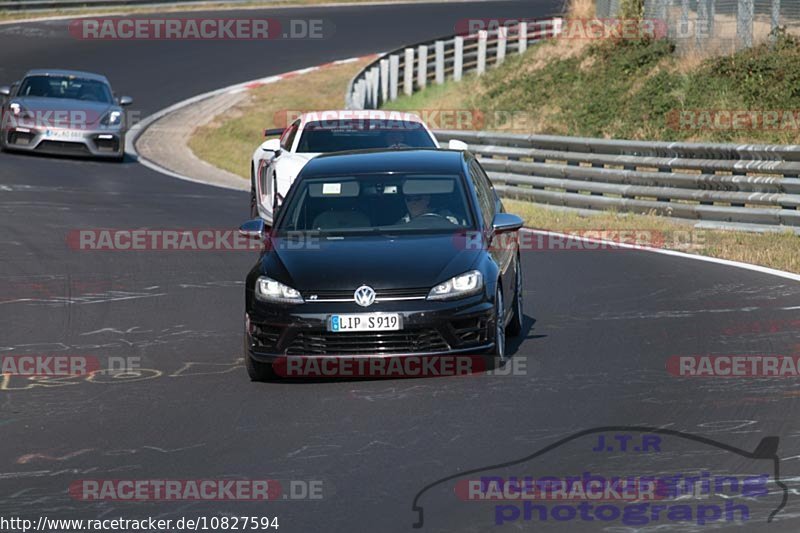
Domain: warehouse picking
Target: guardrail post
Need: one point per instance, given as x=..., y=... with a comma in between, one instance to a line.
x=408, y=72
x=394, y=71
x=439, y=62
x=375, y=88
x=458, y=58
x=522, y=30
x=502, y=40
x=558, y=26
x=702, y=26
x=775, y=19
x=360, y=94
x=482, y=37
x=384, y=80
x=683, y=29
x=422, y=66
x=744, y=24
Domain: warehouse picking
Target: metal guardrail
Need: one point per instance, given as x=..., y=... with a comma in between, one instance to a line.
x=747, y=186
x=719, y=184
x=408, y=69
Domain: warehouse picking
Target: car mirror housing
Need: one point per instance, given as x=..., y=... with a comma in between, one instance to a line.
x=506, y=222
x=272, y=145
x=455, y=144
x=253, y=229
x=125, y=100
x=5, y=90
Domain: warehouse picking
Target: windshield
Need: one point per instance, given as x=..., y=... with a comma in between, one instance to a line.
x=378, y=203
x=68, y=87
x=362, y=134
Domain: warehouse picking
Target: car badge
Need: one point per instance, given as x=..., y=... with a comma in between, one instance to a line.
x=364, y=296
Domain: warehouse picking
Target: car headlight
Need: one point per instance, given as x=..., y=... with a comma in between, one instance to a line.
x=269, y=290
x=112, y=119
x=461, y=286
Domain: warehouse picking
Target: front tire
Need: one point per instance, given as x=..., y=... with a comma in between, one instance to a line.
x=499, y=328
x=514, y=327
x=253, y=201
x=257, y=370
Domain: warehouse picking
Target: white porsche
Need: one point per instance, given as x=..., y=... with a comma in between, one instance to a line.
x=277, y=161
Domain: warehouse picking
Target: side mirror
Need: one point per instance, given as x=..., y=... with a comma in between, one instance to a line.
x=253, y=229
x=506, y=222
x=5, y=90
x=125, y=100
x=455, y=144
x=272, y=145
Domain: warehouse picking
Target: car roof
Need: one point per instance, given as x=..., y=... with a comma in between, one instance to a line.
x=61, y=72
x=384, y=161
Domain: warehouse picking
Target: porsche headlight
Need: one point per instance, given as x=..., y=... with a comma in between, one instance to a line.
x=112, y=119
x=269, y=290
x=461, y=286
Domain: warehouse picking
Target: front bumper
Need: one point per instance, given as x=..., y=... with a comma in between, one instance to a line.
x=429, y=328
x=101, y=142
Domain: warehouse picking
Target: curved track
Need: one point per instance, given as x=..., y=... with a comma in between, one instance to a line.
x=599, y=328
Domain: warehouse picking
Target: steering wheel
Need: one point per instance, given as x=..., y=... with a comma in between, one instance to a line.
x=431, y=214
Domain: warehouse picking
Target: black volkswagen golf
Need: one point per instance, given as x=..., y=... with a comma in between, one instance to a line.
x=384, y=253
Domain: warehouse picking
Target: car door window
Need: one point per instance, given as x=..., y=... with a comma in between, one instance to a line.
x=483, y=189
x=287, y=139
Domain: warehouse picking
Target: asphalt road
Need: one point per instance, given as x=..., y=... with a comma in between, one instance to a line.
x=599, y=329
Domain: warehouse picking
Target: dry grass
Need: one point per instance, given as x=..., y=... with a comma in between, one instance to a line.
x=229, y=143
x=580, y=9
x=773, y=250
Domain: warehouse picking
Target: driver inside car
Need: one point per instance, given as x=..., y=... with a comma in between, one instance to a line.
x=419, y=205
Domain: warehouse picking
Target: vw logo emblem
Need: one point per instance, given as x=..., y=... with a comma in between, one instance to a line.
x=364, y=296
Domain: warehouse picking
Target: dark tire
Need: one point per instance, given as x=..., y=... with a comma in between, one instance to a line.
x=253, y=202
x=256, y=370
x=499, y=351
x=514, y=327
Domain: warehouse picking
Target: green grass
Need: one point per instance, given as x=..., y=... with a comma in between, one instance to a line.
x=773, y=250
x=628, y=89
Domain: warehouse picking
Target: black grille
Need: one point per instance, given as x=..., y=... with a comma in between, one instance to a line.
x=385, y=342
x=265, y=336
x=107, y=145
x=63, y=147
x=471, y=330
x=20, y=138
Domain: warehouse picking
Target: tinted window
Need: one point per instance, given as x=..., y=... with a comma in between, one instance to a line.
x=362, y=134
x=66, y=87
x=483, y=189
x=287, y=139
x=397, y=203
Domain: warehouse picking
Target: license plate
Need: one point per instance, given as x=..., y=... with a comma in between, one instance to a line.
x=365, y=322
x=63, y=134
